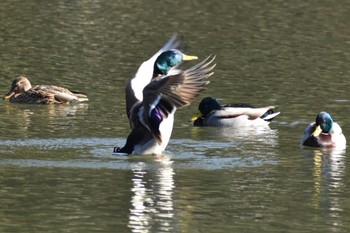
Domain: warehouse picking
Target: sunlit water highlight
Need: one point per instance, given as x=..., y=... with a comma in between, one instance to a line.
x=57, y=168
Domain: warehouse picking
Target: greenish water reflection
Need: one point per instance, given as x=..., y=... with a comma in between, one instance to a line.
x=57, y=171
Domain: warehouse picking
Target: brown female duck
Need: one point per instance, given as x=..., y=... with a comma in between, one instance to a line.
x=22, y=92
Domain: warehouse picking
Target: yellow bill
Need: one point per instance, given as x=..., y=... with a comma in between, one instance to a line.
x=196, y=116
x=188, y=57
x=317, y=131
x=8, y=95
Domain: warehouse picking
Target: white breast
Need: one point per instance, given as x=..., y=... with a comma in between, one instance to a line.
x=152, y=147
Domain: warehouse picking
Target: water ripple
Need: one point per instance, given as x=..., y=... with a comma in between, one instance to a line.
x=96, y=153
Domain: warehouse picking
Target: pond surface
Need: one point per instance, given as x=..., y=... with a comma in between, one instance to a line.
x=57, y=172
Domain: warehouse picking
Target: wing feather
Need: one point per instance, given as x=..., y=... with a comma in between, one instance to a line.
x=164, y=94
x=252, y=113
x=144, y=75
x=180, y=89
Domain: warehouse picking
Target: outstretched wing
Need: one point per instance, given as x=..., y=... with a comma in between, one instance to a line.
x=164, y=94
x=144, y=74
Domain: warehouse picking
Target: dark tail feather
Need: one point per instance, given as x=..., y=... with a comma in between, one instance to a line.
x=270, y=115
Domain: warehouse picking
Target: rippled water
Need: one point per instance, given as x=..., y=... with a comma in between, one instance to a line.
x=57, y=172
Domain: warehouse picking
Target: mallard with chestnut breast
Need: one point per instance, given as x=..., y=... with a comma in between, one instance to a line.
x=324, y=132
x=152, y=118
x=22, y=92
x=212, y=113
x=161, y=63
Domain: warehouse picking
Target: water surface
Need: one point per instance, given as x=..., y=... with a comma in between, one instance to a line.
x=57, y=171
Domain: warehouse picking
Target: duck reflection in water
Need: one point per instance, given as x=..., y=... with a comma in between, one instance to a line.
x=48, y=115
x=152, y=201
x=328, y=170
x=255, y=135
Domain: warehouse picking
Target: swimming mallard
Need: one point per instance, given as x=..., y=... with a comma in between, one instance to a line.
x=22, y=92
x=212, y=113
x=159, y=64
x=324, y=132
x=152, y=118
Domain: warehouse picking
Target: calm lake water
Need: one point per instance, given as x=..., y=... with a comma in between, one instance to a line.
x=57, y=172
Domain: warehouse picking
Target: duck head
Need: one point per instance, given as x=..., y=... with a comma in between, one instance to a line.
x=206, y=106
x=324, y=124
x=169, y=59
x=19, y=85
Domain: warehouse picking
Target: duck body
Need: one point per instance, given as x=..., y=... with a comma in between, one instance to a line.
x=142, y=141
x=152, y=118
x=324, y=132
x=212, y=113
x=22, y=92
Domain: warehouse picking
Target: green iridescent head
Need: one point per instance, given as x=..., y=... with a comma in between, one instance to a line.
x=169, y=59
x=324, y=123
x=207, y=105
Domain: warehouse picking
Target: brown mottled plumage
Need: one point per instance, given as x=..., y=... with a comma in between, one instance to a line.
x=22, y=92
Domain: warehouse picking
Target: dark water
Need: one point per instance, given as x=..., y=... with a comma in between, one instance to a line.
x=57, y=173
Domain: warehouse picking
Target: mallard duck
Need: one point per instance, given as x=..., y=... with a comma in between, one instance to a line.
x=22, y=92
x=159, y=64
x=212, y=113
x=152, y=118
x=324, y=132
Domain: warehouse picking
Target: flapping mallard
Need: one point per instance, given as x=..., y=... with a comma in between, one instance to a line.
x=324, y=132
x=212, y=113
x=152, y=118
x=159, y=64
x=22, y=92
